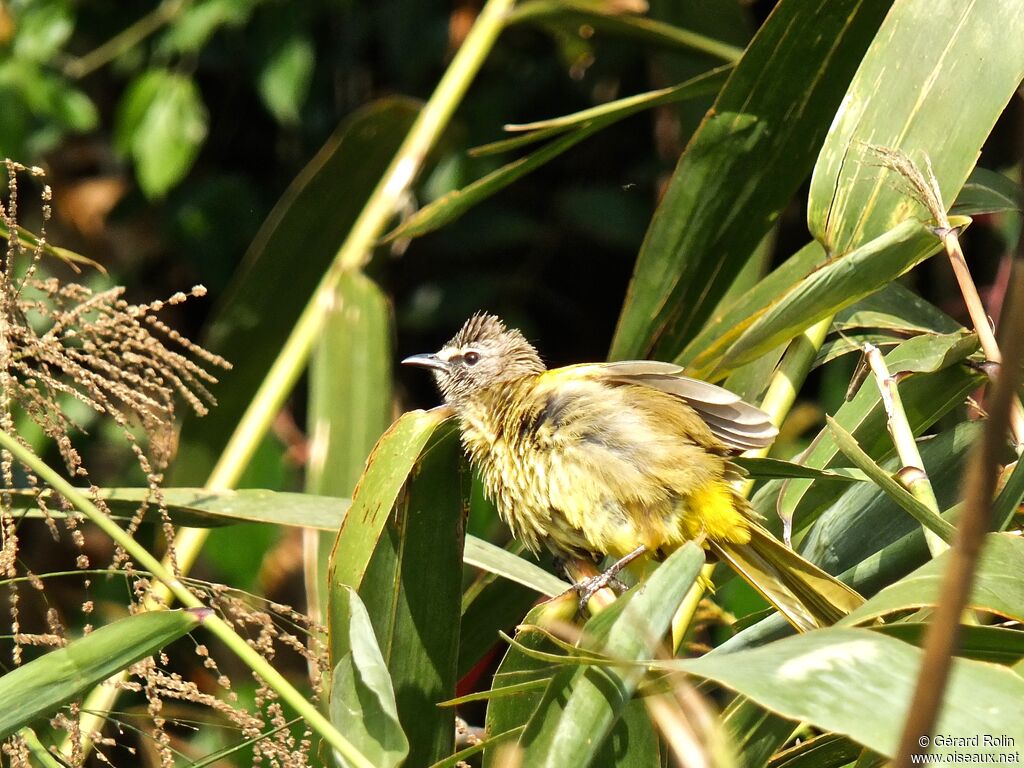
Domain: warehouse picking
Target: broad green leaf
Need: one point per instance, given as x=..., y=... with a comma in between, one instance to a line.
x=582, y=703
x=986, y=191
x=835, y=286
x=703, y=354
x=823, y=751
x=859, y=683
x=896, y=308
x=397, y=455
x=925, y=516
x=741, y=168
x=997, y=585
x=451, y=206
x=944, y=56
x=38, y=688
x=497, y=607
x=362, y=703
x=350, y=400
x=162, y=124
x=401, y=547
x=284, y=80
x=193, y=26
x=274, y=284
x=997, y=645
x=756, y=732
x=489, y=557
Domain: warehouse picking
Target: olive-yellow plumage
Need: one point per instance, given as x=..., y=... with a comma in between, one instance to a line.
x=608, y=458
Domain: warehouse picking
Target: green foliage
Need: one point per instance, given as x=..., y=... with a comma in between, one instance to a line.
x=430, y=611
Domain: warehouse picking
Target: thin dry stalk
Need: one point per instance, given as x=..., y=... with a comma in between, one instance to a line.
x=912, y=474
x=943, y=632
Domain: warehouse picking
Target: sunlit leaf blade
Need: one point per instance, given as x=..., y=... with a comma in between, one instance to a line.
x=640, y=28
x=835, y=286
x=199, y=508
x=1007, y=506
x=38, y=688
x=944, y=55
x=755, y=731
x=741, y=168
x=760, y=468
x=997, y=645
x=986, y=191
x=350, y=403
x=997, y=585
x=859, y=683
x=30, y=242
x=362, y=700
x=454, y=204
x=823, y=751
x=927, y=517
x=401, y=548
x=582, y=703
x=283, y=266
x=388, y=468
x=705, y=351
x=487, y=556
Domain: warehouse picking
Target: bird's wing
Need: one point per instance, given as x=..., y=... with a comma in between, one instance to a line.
x=737, y=424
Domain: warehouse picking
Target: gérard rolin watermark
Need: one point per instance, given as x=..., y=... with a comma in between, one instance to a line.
x=982, y=748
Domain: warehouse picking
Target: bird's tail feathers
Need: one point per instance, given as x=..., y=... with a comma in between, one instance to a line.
x=807, y=596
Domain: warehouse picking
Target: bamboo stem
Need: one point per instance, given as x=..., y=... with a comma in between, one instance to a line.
x=913, y=474
x=213, y=623
x=941, y=639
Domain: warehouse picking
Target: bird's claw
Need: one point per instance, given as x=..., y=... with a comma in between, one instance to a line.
x=589, y=587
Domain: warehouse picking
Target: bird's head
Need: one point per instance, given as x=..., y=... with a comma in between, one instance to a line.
x=481, y=354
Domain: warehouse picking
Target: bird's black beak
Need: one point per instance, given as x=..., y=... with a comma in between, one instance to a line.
x=426, y=361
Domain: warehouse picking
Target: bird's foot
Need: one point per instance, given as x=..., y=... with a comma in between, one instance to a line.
x=609, y=578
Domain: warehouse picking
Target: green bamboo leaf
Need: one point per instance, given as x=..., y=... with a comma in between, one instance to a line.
x=997, y=645
x=362, y=703
x=572, y=15
x=986, y=191
x=756, y=733
x=859, y=683
x=742, y=167
x=38, y=688
x=401, y=547
x=393, y=460
x=451, y=206
x=835, y=286
x=898, y=309
x=1008, y=504
x=487, y=556
x=30, y=242
x=761, y=468
x=703, y=354
x=928, y=518
x=942, y=56
x=997, y=586
x=582, y=703
x=273, y=287
x=827, y=750
x=350, y=399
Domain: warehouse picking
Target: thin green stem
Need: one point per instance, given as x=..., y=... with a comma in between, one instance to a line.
x=126, y=39
x=213, y=623
x=38, y=749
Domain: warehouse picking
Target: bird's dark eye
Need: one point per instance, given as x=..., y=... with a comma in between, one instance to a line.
x=471, y=358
